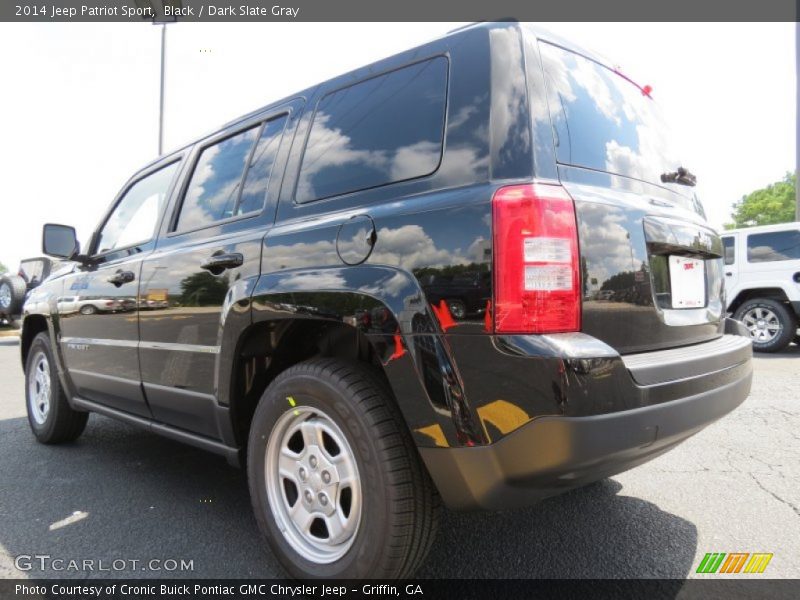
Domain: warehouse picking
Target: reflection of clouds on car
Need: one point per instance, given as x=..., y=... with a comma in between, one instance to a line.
x=316, y=280
x=214, y=185
x=509, y=86
x=407, y=246
x=630, y=137
x=350, y=149
x=605, y=239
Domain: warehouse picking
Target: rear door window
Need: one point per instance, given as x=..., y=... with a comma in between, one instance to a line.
x=214, y=187
x=254, y=190
x=230, y=177
x=773, y=246
x=383, y=130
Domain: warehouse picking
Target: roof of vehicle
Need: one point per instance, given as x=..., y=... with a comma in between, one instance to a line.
x=764, y=228
x=537, y=31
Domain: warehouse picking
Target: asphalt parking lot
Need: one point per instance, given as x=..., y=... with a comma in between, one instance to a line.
x=120, y=493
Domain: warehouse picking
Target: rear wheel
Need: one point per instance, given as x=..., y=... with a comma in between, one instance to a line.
x=88, y=309
x=336, y=483
x=50, y=416
x=772, y=327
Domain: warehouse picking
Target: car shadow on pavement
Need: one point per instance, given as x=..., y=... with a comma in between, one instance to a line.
x=121, y=493
x=592, y=532
x=790, y=351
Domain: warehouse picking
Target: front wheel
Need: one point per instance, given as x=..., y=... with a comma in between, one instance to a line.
x=769, y=322
x=336, y=483
x=50, y=416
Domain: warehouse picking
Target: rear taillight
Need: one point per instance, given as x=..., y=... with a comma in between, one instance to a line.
x=536, y=261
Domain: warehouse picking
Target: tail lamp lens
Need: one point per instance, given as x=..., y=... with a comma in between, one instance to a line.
x=537, y=277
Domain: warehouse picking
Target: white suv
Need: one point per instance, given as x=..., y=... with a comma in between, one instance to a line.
x=762, y=279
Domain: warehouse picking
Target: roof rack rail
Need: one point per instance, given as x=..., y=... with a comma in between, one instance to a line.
x=467, y=26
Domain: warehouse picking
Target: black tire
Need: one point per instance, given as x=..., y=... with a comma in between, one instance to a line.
x=400, y=505
x=61, y=423
x=11, y=302
x=457, y=308
x=786, y=321
x=88, y=309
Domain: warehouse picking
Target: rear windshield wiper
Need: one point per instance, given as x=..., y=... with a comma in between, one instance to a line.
x=681, y=176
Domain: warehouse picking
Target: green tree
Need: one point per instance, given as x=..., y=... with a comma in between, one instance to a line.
x=767, y=206
x=203, y=289
x=3, y=268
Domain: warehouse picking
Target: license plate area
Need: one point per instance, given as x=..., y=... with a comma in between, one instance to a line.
x=687, y=278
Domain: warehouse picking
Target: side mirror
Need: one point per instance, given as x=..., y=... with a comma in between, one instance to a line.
x=59, y=241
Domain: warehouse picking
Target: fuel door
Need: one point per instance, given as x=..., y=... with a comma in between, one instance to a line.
x=355, y=239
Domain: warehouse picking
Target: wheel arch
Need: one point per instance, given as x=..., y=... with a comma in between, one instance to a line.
x=372, y=314
x=776, y=293
x=32, y=326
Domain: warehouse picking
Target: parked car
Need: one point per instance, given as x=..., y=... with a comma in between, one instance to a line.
x=89, y=306
x=13, y=288
x=466, y=293
x=301, y=343
x=762, y=280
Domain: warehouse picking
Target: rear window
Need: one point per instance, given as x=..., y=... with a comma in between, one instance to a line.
x=604, y=122
x=774, y=246
x=383, y=130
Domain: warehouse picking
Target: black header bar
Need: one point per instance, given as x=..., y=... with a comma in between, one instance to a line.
x=401, y=10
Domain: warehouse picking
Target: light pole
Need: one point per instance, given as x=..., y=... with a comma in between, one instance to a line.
x=160, y=18
x=161, y=93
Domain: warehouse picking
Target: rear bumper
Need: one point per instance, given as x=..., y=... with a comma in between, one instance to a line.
x=552, y=454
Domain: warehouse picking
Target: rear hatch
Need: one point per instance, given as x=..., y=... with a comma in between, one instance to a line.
x=651, y=266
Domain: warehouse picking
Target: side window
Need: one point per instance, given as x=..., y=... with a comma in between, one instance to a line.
x=135, y=217
x=777, y=245
x=383, y=130
x=730, y=250
x=216, y=192
x=213, y=190
x=254, y=191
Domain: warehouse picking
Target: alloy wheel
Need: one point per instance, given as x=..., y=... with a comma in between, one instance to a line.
x=313, y=485
x=762, y=323
x=39, y=388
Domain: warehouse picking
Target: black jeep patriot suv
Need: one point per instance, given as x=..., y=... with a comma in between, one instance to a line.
x=276, y=271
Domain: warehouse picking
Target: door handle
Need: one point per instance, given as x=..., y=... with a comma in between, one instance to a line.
x=728, y=274
x=217, y=263
x=121, y=277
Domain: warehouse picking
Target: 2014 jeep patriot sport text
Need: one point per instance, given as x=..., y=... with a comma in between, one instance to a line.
x=276, y=276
